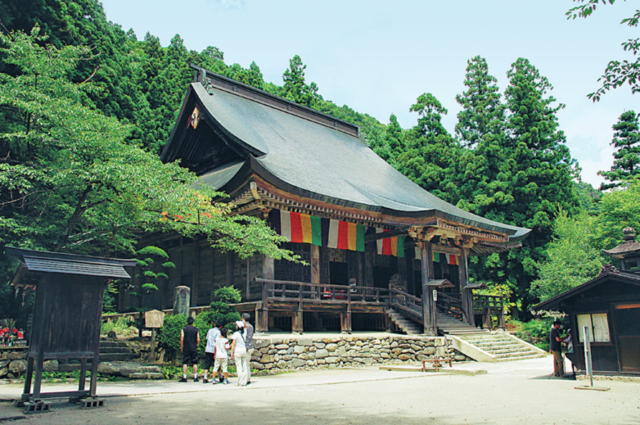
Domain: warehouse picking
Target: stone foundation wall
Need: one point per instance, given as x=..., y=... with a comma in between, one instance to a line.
x=280, y=354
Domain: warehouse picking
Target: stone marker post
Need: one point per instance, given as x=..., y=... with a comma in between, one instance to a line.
x=181, y=300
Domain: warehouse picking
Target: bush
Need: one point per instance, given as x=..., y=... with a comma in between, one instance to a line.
x=535, y=332
x=222, y=313
x=169, y=333
x=122, y=327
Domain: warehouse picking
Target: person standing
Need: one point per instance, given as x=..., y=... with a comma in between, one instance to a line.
x=248, y=341
x=209, y=351
x=189, y=340
x=556, y=349
x=239, y=353
x=222, y=360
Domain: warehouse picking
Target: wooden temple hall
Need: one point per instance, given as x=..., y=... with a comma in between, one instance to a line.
x=382, y=253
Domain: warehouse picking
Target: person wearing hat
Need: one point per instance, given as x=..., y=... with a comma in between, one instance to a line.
x=239, y=353
x=555, y=343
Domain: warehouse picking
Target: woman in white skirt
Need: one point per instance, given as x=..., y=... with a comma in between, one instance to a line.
x=239, y=354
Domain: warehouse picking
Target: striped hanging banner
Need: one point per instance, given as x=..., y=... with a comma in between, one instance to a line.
x=439, y=257
x=305, y=228
x=389, y=246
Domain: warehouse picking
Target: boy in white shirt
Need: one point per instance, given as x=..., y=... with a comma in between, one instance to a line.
x=210, y=350
x=222, y=359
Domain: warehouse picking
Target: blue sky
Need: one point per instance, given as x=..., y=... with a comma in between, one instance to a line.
x=378, y=56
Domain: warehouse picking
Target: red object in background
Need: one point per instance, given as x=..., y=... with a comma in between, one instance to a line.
x=20, y=335
x=15, y=330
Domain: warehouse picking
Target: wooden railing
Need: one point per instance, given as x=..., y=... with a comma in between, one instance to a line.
x=490, y=306
x=407, y=303
x=279, y=290
x=451, y=305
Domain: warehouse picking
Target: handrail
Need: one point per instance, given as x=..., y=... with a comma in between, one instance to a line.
x=399, y=292
x=283, y=290
x=326, y=285
x=451, y=305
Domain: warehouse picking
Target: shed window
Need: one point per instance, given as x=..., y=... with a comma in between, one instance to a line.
x=598, y=325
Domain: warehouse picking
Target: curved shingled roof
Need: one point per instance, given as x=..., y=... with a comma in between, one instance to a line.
x=313, y=159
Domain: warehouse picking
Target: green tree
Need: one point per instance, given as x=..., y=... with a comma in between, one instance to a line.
x=618, y=209
x=571, y=259
x=431, y=153
x=394, y=137
x=617, y=73
x=626, y=140
x=534, y=181
x=84, y=188
x=480, y=104
x=295, y=88
x=482, y=179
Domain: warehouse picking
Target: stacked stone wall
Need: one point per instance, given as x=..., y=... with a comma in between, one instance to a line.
x=274, y=355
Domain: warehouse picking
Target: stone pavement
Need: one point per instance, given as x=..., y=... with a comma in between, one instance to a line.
x=514, y=392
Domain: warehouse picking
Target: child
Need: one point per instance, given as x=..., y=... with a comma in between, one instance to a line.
x=210, y=350
x=222, y=360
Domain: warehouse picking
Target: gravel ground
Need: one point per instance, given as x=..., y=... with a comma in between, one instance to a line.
x=509, y=393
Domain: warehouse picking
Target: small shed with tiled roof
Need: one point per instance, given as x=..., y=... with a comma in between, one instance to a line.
x=609, y=306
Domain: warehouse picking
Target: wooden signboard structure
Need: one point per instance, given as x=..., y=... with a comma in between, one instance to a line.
x=153, y=319
x=67, y=313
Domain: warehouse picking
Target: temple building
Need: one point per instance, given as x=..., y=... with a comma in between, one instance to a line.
x=381, y=252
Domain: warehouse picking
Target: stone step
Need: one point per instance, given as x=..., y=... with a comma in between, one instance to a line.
x=505, y=344
x=504, y=350
x=111, y=343
x=528, y=357
x=116, y=357
x=513, y=353
x=115, y=350
x=487, y=340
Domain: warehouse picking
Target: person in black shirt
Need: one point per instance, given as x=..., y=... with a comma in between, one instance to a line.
x=189, y=340
x=556, y=349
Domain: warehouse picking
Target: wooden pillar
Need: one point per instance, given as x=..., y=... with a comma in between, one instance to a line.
x=83, y=374
x=262, y=307
x=466, y=294
x=428, y=304
x=345, y=321
x=297, y=325
x=410, y=261
x=315, y=264
x=402, y=266
x=268, y=268
x=361, y=265
x=352, y=266
x=93, y=383
x=369, y=252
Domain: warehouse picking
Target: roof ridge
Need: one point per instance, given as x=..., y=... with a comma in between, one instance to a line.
x=211, y=79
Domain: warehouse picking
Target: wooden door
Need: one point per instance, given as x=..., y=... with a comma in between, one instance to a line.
x=627, y=321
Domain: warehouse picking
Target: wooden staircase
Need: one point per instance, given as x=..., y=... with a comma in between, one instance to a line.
x=407, y=326
x=450, y=325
